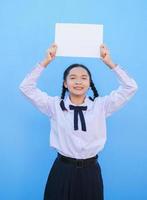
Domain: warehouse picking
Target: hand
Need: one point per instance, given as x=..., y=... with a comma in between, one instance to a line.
x=50, y=55
x=105, y=56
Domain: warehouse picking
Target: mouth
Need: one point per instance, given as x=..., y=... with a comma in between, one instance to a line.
x=78, y=88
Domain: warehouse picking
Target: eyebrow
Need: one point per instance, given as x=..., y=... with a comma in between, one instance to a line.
x=76, y=75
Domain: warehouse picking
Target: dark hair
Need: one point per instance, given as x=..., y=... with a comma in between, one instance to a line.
x=64, y=89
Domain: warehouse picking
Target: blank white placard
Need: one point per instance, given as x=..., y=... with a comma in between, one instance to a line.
x=78, y=40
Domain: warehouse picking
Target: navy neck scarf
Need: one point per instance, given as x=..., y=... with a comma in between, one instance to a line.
x=78, y=110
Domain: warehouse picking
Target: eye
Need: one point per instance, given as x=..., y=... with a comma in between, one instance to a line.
x=84, y=78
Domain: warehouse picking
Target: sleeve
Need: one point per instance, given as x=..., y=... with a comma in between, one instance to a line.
x=37, y=97
x=117, y=98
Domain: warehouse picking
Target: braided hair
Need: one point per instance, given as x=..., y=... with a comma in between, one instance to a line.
x=64, y=89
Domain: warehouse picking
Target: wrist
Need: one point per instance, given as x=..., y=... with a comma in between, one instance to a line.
x=44, y=63
x=112, y=65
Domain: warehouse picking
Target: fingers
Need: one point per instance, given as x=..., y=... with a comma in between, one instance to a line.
x=51, y=52
x=103, y=46
x=103, y=50
x=54, y=45
x=53, y=48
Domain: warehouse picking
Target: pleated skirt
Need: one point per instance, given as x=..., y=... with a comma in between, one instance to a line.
x=67, y=182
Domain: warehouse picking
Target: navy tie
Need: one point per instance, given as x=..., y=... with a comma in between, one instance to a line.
x=78, y=110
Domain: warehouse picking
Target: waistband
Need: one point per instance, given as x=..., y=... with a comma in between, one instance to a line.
x=79, y=163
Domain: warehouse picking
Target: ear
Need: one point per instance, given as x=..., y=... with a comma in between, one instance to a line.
x=65, y=84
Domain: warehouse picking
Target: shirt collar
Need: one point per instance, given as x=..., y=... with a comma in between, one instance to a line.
x=87, y=102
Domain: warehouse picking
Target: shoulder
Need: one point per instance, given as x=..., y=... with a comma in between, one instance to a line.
x=52, y=100
x=56, y=98
x=99, y=99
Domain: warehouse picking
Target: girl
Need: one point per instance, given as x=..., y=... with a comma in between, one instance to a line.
x=78, y=126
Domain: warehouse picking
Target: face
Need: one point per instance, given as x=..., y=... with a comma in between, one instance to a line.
x=77, y=81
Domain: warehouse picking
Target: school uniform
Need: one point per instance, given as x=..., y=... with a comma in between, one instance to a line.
x=78, y=135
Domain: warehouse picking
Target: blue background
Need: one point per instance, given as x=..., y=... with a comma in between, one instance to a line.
x=27, y=30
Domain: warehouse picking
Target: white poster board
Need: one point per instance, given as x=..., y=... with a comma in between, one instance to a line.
x=78, y=40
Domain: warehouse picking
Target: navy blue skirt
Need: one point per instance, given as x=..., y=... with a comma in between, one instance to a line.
x=69, y=182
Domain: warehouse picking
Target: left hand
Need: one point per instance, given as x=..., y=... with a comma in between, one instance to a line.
x=105, y=56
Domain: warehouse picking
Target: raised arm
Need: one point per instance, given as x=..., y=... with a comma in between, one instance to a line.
x=127, y=88
x=28, y=86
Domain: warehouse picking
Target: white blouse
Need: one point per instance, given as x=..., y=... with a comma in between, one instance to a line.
x=63, y=137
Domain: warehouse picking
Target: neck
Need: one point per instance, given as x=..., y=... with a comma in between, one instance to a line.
x=77, y=99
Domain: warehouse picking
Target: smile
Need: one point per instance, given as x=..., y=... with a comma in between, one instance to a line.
x=78, y=88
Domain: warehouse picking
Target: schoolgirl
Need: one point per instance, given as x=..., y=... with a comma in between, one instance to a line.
x=78, y=125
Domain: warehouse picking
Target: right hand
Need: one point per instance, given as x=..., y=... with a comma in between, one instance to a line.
x=50, y=55
x=105, y=56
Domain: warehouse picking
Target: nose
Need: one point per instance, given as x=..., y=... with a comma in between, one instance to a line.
x=78, y=82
